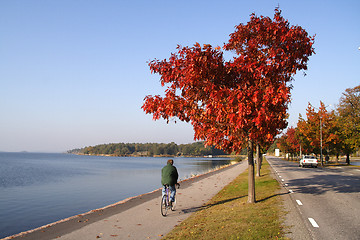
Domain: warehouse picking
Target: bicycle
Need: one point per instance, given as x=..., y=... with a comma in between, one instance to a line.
x=165, y=201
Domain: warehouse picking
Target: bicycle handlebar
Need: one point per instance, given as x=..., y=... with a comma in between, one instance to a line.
x=176, y=184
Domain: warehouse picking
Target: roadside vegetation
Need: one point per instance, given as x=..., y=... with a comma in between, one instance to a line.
x=334, y=132
x=228, y=216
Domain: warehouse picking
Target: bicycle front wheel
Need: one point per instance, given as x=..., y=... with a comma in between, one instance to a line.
x=173, y=205
x=164, y=205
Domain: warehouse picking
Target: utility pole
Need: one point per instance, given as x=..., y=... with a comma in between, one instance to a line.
x=321, y=155
x=321, y=147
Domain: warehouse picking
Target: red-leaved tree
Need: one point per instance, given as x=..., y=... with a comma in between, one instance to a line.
x=320, y=131
x=289, y=142
x=236, y=103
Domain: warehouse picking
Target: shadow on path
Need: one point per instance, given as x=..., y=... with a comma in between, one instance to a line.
x=206, y=206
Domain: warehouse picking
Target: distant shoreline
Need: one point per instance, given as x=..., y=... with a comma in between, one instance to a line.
x=169, y=156
x=196, y=149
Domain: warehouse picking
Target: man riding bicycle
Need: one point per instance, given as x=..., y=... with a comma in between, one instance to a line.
x=169, y=176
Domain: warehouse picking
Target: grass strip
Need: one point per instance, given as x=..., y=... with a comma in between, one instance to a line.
x=228, y=215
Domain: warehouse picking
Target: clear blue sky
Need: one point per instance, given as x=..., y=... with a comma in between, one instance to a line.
x=75, y=73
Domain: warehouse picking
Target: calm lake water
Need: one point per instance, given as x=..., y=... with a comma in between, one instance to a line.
x=40, y=188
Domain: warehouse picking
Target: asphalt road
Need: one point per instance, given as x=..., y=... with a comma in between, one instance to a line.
x=327, y=200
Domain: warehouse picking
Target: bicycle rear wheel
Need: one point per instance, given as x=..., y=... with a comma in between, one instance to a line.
x=164, y=205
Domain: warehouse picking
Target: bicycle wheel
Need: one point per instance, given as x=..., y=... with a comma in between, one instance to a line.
x=164, y=205
x=173, y=205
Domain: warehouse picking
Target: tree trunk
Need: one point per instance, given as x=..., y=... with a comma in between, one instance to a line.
x=258, y=160
x=251, y=177
x=337, y=158
x=348, y=159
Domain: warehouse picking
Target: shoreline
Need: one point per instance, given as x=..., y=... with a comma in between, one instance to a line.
x=161, y=156
x=70, y=224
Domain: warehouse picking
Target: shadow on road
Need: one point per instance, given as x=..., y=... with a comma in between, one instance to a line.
x=319, y=184
x=320, y=180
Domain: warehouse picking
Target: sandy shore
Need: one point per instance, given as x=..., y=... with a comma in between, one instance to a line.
x=138, y=217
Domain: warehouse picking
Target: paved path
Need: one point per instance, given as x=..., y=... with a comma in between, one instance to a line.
x=140, y=218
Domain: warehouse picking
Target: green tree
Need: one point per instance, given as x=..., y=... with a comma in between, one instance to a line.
x=348, y=112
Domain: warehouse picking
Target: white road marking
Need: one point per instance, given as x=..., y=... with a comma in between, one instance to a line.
x=299, y=202
x=312, y=221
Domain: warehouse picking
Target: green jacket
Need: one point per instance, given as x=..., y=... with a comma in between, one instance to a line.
x=169, y=175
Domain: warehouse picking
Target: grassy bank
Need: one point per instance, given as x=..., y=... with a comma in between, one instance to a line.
x=228, y=216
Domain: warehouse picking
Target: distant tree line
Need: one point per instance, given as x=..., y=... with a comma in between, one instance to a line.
x=149, y=149
x=324, y=132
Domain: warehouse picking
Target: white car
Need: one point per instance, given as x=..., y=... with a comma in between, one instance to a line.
x=308, y=160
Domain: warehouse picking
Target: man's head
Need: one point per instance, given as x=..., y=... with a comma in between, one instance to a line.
x=170, y=161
